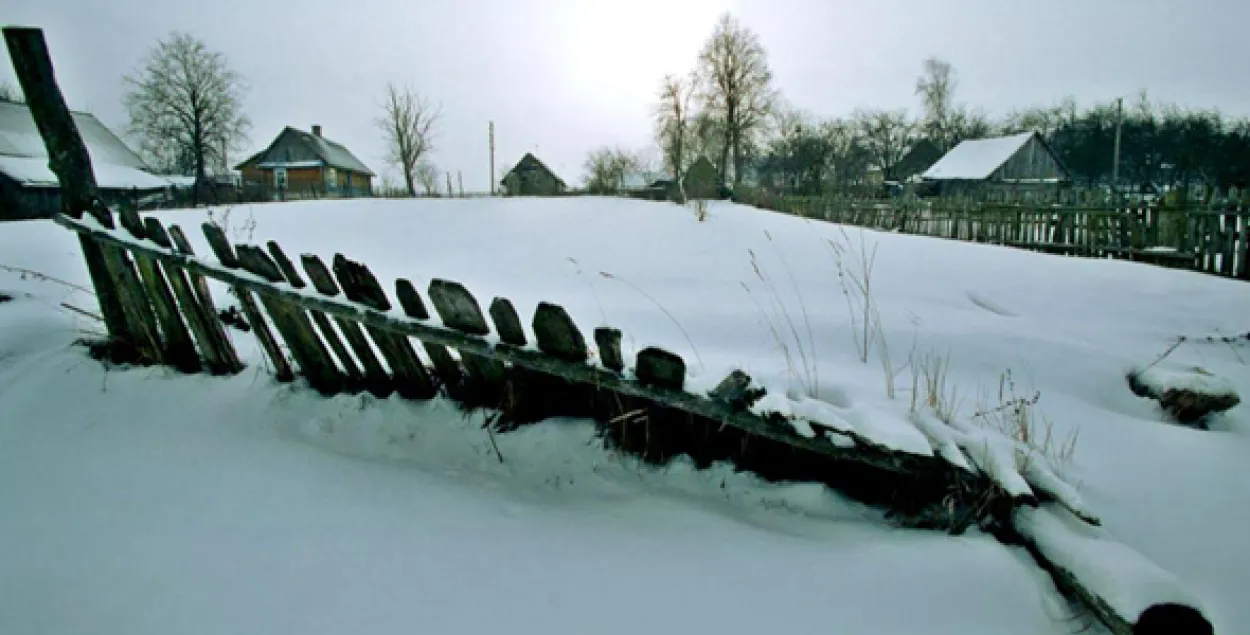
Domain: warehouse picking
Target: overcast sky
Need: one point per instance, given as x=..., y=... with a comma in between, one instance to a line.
x=560, y=77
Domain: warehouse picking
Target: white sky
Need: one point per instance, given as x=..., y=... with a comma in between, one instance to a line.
x=560, y=77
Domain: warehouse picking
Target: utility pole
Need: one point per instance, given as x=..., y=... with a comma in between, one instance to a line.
x=449, y=192
x=492, y=158
x=1119, y=124
x=460, y=182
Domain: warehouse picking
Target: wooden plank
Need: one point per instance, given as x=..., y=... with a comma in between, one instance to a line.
x=459, y=310
x=412, y=380
x=178, y=349
x=70, y=162
x=557, y=335
x=658, y=367
x=507, y=322
x=225, y=255
x=355, y=378
x=376, y=380
x=230, y=356
x=198, y=318
x=609, y=342
x=293, y=324
x=445, y=365
x=1228, y=235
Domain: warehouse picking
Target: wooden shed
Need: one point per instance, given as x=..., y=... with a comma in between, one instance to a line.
x=1020, y=163
x=531, y=177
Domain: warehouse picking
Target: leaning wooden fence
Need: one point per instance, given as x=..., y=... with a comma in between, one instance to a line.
x=1214, y=239
x=335, y=326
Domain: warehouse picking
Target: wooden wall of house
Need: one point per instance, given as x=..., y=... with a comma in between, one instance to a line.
x=531, y=183
x=1032, y=161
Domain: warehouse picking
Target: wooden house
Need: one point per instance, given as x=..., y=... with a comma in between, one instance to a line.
x=1020, y=164
x=28, y=187
x=531, y=177
x=302, y=164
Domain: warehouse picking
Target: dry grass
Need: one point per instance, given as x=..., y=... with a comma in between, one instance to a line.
x=855, y=264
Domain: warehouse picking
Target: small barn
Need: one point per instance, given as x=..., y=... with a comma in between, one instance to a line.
x=299, y=164
x=29, y=188
x=531, y=177
x=1021, y=164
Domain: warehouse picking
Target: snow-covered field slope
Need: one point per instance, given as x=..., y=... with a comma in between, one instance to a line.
x=146, y=502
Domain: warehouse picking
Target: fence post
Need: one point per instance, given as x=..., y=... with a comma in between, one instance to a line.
x=69, y=160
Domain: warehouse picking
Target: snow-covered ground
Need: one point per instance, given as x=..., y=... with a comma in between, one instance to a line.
x=145, y=502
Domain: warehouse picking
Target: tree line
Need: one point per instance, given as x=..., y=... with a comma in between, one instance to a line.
x=727, y=109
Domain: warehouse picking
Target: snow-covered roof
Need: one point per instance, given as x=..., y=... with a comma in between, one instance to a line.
x=34, y=172
x=24, y=158
x=977, y=159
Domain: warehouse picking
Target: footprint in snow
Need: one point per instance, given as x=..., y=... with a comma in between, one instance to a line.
x=988, y=304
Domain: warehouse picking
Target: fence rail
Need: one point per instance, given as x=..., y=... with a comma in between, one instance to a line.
x=1213, y=239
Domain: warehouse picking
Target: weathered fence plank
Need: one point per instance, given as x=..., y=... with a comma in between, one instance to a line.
x=229, y=356
x=355, y=378
x=412, y=380
x=201, y=321
x=376, y=379
x=309, y=352
x=459, y=310
x=658, y=367
x=68, y=158
x=445, y=365
x=507, y=322
x=177, y=347
x=225, y=254
x=608, y=340
x=557, y=335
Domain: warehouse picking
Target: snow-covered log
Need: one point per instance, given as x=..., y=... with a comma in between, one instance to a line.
x=1124, y=590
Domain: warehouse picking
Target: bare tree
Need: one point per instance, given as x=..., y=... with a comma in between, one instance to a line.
x=673, y=121
x=737, y=87
x=186, y=106
x=606, y=169
x=886, y=136
x=936, y=87
x=407, y=121
x=10, y=93
x=426, y=174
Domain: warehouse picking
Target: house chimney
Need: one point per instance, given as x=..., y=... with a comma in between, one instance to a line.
x=316, y=130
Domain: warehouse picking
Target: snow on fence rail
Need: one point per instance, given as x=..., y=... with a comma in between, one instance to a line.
x=1214, y=240
x=344, y=334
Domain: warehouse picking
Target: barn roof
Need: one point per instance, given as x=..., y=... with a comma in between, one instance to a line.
x=977, y=159
x=531, y=162
x=325, y=151
x=24, y=158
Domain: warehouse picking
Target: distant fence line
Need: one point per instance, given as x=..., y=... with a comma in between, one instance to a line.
x=1213, y=239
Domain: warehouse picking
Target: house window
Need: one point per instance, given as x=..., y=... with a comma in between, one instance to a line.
x=279, y=178
x=332, y=180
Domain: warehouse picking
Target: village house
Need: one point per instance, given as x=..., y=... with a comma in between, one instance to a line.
x=28, y=187
x=302, y=164
x=530, y=177
x=1021, y=165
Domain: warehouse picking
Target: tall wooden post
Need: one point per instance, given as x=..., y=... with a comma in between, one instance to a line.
x=68, y=158
x=460, y=182
x=492, y=158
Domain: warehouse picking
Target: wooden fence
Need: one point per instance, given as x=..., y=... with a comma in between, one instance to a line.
x=335, y=327
x=1213, y=239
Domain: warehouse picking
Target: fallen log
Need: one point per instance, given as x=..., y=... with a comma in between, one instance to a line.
x=1128, y=593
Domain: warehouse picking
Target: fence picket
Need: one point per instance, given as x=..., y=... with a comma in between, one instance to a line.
x=221, y=248
x=198, y=318
x=445, y=366
x=293, y=324
x=177, y=347
x=355, y=378
x=376, y=379
x=230, y=356
x=459, y=310
x=412, y=380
